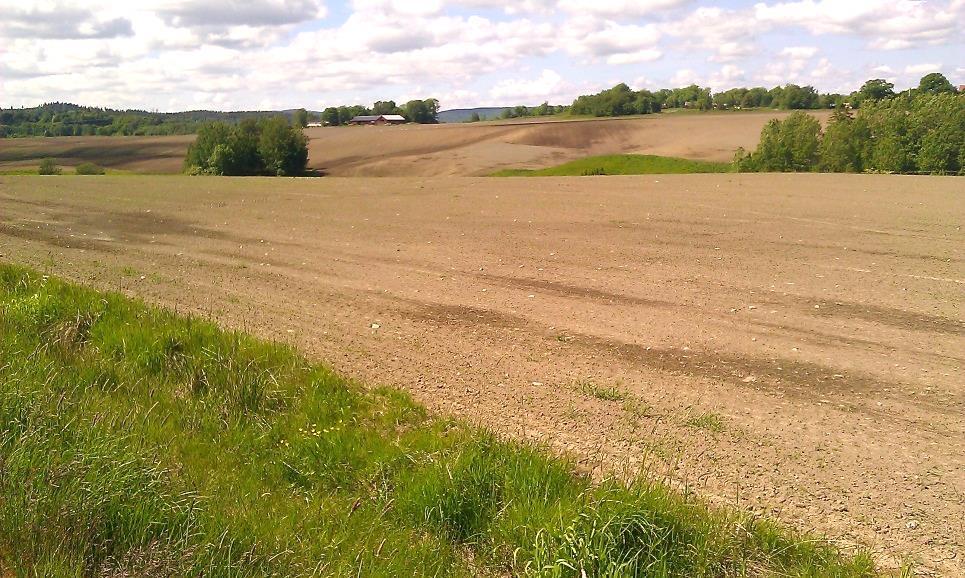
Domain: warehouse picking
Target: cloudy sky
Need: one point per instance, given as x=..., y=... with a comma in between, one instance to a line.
x=173, y=55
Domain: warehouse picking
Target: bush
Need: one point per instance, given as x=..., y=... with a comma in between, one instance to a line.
x=909, y=133
x=786, y=146
x=593, y=172
x=48, y=167
x=89, y=169
x=253, y=147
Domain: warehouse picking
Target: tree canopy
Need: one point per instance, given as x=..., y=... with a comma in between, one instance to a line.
x=418, y=111
x=935, y=83
x=268, y=146
x=915, y=132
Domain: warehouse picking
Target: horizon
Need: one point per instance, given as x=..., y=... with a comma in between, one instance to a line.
x=268, y=55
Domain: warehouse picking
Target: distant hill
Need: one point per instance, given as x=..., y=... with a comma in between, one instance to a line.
x=463, y=114
x=66, y=119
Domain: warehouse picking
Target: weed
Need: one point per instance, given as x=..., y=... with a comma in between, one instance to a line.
x=707, y=421
x=601, y=392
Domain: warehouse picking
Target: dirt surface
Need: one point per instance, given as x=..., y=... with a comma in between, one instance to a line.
x=435, y=150
x=143, y=154
x=789, y=343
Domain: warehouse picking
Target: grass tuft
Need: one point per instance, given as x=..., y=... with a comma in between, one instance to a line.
x=601, y=392
x=708, y=421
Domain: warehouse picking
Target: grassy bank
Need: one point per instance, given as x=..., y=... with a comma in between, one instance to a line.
x=137, y=442
x=621, y=165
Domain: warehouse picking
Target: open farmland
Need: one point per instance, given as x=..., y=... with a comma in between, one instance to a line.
x=790, y=343
x=140, y=154
x=425, y=150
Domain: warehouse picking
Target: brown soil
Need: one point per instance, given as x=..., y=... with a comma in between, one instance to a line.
x=434, y=150
x=143, y=154
x=790, y=343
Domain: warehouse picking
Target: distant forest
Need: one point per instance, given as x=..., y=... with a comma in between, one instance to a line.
x=621, y=100
x=64, y=119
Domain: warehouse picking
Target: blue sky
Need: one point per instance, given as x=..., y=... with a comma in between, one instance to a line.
x=273, y=54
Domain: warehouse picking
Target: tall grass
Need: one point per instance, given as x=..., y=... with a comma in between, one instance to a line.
x=621, y=165
x=135, y=442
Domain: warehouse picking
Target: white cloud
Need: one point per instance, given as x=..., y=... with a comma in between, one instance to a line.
x=620, y=8
x=251, y=13
x=720, y=34
x=59, y=21
x=728, y=76
x=922, y=69
x=685, y=77
x=176, y=54
x=612, y=42
x=885, y=25
x=799, y=52
x=547, y=86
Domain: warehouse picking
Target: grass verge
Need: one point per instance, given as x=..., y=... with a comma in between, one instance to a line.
x=137, y=442
x=621, y=165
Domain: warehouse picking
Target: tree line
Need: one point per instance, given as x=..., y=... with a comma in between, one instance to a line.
x=917, y=132
x=621, y=100
x=417, y=111
x=266, y=146
x=65, y=119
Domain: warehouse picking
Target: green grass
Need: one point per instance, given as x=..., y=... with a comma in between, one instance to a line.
x=137, y=442
x=601, y=392
x=708, y=421
x=621, y=165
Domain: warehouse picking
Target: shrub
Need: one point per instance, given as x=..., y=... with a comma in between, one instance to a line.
x=89, y=169
x=909, y=133
x=593, y=172
x=254, y=147
x=48, y=167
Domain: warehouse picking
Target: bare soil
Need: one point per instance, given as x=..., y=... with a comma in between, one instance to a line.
x=435, y=150
x=139, y=154
x=792, y=344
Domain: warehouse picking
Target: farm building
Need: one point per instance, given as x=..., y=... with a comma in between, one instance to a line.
x=378, y=119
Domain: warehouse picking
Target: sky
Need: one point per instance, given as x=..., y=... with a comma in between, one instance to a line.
x=171, y=55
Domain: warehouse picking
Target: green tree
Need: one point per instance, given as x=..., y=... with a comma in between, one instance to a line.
x=474, y=117
x=432, y=110
x=935, y=83
x=199, y=155
x=841, y=145
x=876, y=89
x=938, y=132
x=385, y=107
x=283, y=148
x=243, y=157
x=330, y=116
x=788, y=145
x=253, y=147
x=300, y=118
x=421, y=111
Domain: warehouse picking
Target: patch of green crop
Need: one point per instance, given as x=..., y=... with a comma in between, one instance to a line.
x=621, y=165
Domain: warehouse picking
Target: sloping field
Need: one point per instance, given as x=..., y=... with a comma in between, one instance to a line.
x=478, y=149
x=790, y=343
x=434, y=150
x=142, y=154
